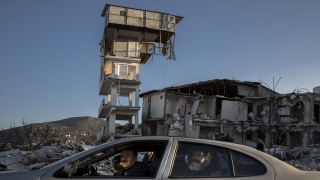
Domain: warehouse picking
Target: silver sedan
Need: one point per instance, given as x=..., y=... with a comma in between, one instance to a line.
x=171, y=158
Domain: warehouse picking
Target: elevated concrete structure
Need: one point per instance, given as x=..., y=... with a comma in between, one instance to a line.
x=130, y=37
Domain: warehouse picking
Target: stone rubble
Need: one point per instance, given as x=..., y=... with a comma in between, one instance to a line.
x=15, y=160
x=306, y=159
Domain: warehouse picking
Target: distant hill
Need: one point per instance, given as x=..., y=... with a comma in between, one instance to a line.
x=77, y=126
x=84, y=128
x=80, y=122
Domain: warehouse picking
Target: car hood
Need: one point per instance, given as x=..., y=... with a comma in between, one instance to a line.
x=25, y=175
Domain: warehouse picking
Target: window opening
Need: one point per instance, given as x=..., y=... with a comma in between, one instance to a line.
x=197, y=160
x=246, y=166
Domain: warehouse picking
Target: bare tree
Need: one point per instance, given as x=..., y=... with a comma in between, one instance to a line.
x=29, y=134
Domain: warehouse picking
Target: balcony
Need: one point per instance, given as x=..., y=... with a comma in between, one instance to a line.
x=122, y=112
x=125, y=86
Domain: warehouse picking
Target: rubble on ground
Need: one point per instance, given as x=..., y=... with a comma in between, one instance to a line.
x=16, y=159
x=306, y=159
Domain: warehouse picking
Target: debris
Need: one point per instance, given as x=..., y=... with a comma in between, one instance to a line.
x=307, y=159
x=17, y=160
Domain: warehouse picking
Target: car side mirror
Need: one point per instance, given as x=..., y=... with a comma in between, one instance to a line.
x=70, y=168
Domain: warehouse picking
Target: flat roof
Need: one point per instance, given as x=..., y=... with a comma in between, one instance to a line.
x=205, y=83
x=178, y=18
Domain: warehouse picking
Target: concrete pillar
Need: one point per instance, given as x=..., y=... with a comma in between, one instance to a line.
x=112, y=123
x=307, y=116
x=288, y=138
x=136, y=120
x=272, y=109
x=136, y=100
x=272, y=139
x=267, y=139
x=305, y=139
x=137, y=72
x=113, y=95
x=107, y=125
x=130, y=99
x=188, y=125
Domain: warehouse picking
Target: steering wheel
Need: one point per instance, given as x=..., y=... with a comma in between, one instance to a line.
x=93, y=171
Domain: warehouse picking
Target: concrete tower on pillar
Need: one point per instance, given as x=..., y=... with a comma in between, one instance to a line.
x=130, y=37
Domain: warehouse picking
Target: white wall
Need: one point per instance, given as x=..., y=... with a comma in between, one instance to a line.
x=202, y=108
x=145, y=107
x=173, y=104
x=234, y=110
x=157, y=105
x=211, y=108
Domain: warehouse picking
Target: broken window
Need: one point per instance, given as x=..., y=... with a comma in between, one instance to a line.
x=123, y=71
x=218, y=108
x=316, y=137
x=122, y=13
x=316, y=112
x=297, y=111
x=250, y=110
x=249, y=135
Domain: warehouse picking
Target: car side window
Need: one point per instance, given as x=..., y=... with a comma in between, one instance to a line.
x=198, y=160
x=104, y=163
x=246, y=166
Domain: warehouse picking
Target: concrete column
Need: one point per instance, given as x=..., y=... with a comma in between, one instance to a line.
x=137, y=72
x=267, y=139
x=288, y=138
x=112, y=123
x=107, y=125
x=136, y=120
x=305, y=139
x=272, y=109
x=307, y=116
x=113, y=95
x=136, y=100
x=130, y=99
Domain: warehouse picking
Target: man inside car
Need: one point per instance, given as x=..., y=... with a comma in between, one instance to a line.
x=131, y=167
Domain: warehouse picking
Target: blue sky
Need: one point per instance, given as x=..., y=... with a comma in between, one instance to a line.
x=49, y=52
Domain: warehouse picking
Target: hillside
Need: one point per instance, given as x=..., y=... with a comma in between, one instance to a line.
x=84, y=128
x=85, y=122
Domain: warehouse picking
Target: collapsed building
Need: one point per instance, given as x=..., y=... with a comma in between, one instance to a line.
x=247, y=110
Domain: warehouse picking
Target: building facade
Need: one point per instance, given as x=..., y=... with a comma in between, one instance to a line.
x=130, y=37
x=247, y=110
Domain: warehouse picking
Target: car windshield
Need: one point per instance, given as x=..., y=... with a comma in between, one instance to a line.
x=70, y=157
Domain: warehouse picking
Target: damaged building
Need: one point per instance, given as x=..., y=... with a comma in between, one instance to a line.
x=131, y=36
x=247, y=110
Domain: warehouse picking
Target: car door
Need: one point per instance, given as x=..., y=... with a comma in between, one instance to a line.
x=196, y=158
x=116, y=146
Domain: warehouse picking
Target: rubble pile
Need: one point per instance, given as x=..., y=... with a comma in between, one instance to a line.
x=20, y=160
x=307, y=159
